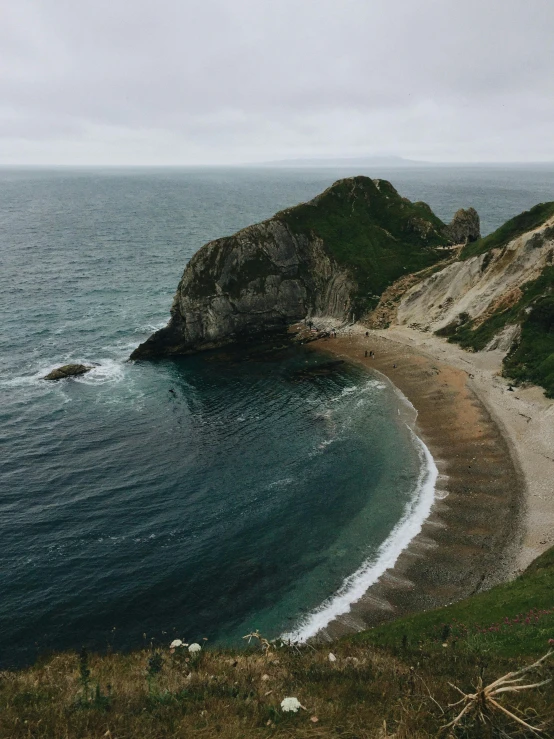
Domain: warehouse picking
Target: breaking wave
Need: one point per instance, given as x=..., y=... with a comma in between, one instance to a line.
x=354, y=586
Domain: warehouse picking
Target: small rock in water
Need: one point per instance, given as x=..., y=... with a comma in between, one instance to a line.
x=68, y=370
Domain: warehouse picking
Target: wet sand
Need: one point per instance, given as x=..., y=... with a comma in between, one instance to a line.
x=472, y=539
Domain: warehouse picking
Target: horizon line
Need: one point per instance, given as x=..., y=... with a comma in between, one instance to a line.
x=281, y=163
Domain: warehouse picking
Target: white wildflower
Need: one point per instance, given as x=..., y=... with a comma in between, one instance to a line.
x=194, y=648
x=332, y=657
x=176, y=643
x=291, y=704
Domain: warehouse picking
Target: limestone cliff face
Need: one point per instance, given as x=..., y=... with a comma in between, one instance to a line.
x=245, y=286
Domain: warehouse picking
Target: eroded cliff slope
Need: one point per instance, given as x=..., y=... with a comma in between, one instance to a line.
x=332, y=256
x=498, y=295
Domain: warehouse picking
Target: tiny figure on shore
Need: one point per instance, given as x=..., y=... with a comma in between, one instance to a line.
x=394, y=366
x=367, y=333
x=366, y=352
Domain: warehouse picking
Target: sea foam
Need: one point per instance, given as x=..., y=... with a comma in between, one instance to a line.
x=106, y=370
x=354, y=586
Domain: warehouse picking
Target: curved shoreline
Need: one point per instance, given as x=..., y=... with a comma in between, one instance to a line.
x=415, y=514
x=472, y=536
x=406, y=529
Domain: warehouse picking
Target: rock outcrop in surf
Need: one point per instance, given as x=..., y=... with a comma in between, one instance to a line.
x=332, y=256
x=68, y=370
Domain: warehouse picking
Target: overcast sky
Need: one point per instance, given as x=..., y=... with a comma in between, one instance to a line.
x=232, y=81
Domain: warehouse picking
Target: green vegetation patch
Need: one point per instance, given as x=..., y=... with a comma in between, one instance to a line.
x=533, y=358
x=509, y=620
x=369, y=228
x=526, y=221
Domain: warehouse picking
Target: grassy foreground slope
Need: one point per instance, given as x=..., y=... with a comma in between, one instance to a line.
x=390, y=681
x=510, y=620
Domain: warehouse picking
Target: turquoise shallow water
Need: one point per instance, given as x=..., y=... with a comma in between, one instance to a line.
x=242, y=499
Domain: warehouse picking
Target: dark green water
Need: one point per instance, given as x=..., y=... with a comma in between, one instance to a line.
x=243, y=499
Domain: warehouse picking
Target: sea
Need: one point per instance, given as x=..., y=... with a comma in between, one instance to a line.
x=196, y=498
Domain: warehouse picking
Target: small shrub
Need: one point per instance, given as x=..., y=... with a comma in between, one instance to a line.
x=91, y=696
x=155, y=664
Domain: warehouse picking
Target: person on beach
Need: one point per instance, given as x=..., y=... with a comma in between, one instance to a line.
x=366, y=352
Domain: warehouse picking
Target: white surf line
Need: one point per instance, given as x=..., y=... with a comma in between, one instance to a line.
x=354, y=586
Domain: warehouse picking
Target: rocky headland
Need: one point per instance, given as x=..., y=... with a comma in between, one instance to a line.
x=333, y=256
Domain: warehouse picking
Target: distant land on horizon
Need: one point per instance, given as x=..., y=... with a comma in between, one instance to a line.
x=330, y=162
x=386, y=161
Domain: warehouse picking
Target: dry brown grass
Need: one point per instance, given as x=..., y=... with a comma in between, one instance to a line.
x=484, y=702
x=366, y=694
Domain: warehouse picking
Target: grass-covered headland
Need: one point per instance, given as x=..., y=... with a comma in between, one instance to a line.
x=368, y=227
x=396, y=680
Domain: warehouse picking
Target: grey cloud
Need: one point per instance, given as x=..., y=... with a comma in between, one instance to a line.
x=224, y=80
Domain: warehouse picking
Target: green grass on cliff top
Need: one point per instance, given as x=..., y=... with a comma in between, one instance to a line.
x=369, y=228
x=513, y=228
